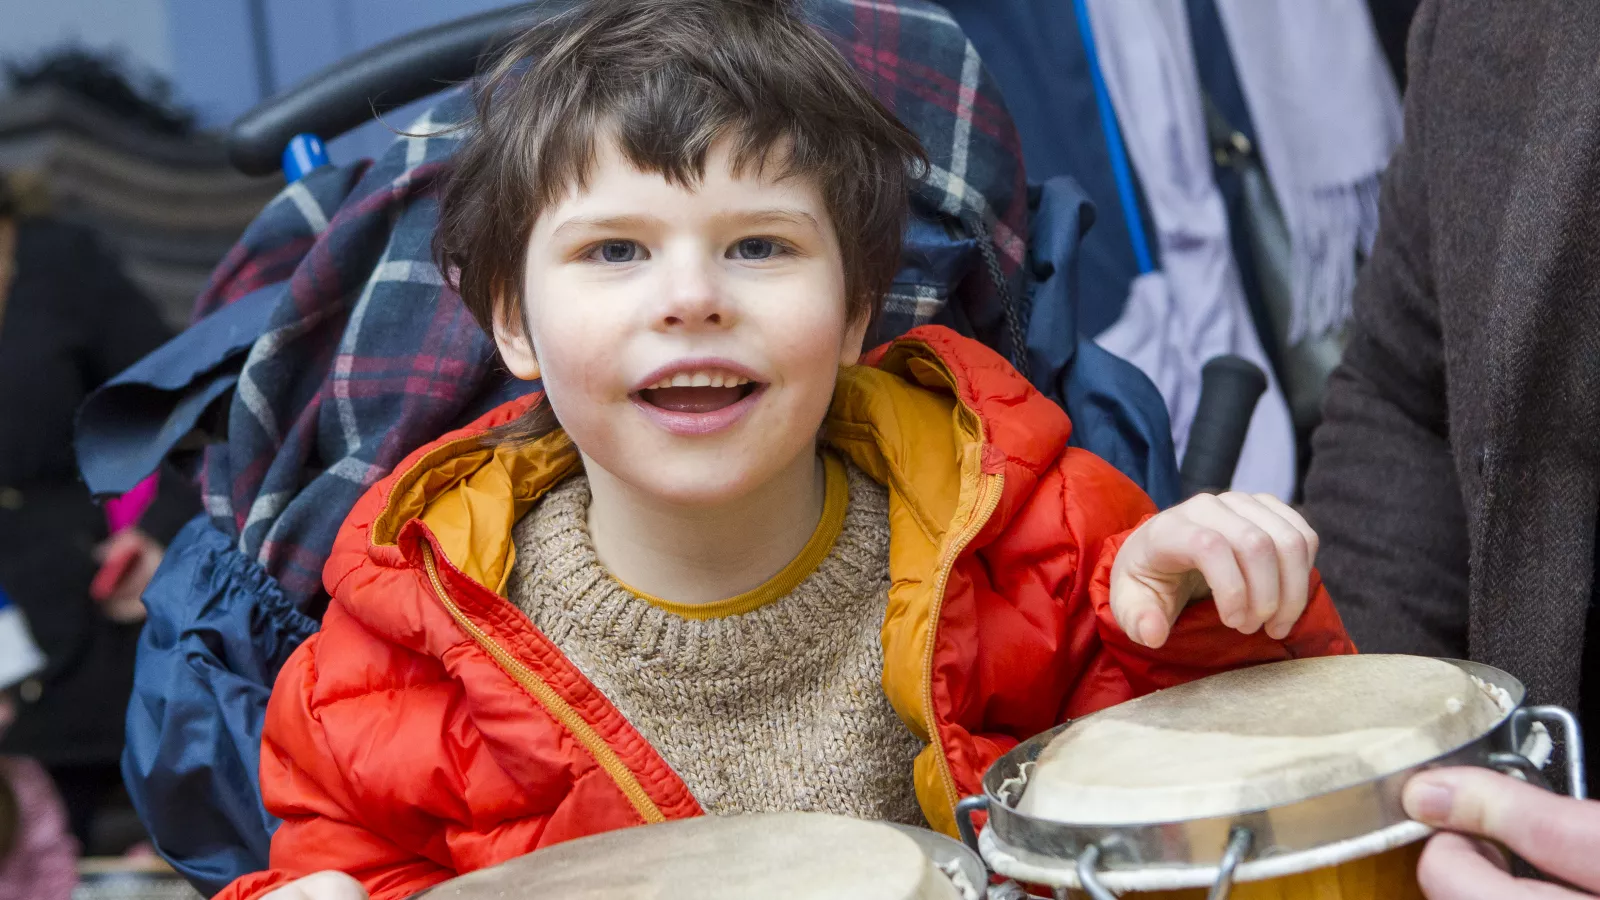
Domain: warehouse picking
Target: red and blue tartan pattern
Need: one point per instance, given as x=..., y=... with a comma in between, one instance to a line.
x=368, y=355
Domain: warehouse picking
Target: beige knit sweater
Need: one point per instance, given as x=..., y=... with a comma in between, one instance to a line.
x=777, y=708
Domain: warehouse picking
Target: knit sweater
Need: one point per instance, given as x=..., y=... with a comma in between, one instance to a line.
x=765, y=702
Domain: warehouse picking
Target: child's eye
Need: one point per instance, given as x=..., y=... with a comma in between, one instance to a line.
x=616, y=251
x=755, y=248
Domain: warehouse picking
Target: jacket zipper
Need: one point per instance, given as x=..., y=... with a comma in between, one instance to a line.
x=988, y=501
x=546, y=695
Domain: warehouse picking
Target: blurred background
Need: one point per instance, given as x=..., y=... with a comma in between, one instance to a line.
x=113, y=106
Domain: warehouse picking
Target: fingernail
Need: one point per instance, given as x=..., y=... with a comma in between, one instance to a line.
x=1428, y=801
x=1148, y=631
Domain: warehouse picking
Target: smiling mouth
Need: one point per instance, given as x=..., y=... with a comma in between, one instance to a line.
x=697, y=399
x=698, y=391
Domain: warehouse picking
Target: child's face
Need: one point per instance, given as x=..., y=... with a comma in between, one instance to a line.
x=689, y=338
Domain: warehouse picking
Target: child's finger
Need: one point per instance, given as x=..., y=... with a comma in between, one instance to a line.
x=1294, y=562
x=1256, y=558
x=1208, y=550
x=1293, y=517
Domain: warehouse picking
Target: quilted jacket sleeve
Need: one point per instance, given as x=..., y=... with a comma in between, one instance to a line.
x=303, y=784
x=1199, y=644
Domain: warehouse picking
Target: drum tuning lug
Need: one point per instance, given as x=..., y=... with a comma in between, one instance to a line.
x=1088, y=878
x=1517, y=764
x=965, y=810
x=1006, y=890
x=1238, y=845
x=1554, y=717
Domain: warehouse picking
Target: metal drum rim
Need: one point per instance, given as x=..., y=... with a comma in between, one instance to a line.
x=1037, y=836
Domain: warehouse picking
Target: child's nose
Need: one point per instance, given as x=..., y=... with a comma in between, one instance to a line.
x=695, y=300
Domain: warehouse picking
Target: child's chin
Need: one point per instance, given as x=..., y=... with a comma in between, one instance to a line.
x=711, y=485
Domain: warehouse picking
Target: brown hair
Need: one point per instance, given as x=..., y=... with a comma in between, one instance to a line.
x=666, y=80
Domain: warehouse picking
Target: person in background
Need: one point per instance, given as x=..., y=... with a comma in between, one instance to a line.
x=69, y=321
x=1455, y=480
x=38, y=855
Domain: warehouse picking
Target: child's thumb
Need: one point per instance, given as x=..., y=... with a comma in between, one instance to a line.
x=328, y=885
x=1141, y=610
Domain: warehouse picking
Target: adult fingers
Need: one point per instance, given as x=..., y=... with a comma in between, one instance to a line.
x=1556, y=834
x=1293, y=560
x=1453, y=867
x=1256, y=556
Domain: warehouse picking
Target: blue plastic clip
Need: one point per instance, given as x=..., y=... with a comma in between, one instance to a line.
x=304, y=153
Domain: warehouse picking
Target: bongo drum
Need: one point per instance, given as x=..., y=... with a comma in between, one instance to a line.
x=1283, y=778
x=773, y=856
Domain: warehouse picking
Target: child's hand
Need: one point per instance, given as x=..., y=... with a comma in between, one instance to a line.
x=128, y=560
x=1251, y=553
x=328, y=885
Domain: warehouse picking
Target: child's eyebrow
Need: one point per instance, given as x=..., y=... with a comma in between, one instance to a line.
x=795, y=217
x=603, y=223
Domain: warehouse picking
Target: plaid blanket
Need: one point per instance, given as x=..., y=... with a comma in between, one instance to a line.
x=367, y=355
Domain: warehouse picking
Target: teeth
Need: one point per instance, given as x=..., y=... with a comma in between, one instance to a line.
x=701, y=379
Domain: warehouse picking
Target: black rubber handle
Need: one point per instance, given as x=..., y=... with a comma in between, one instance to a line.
x=1230, y=387
x=348, y=93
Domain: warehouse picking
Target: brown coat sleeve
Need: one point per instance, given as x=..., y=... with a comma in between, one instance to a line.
x=1382, y=491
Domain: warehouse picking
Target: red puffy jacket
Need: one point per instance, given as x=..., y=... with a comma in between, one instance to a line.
x=429, y=729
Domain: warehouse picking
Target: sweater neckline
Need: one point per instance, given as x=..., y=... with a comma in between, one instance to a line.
x=836, y=501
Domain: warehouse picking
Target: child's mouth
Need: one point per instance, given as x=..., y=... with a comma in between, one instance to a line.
x=699, y=400
x=695, y=400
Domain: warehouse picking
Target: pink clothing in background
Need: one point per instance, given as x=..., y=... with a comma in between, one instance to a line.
x=129, y=508
x=44, y=865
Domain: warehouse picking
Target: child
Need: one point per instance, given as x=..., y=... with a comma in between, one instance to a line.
x=749, y=571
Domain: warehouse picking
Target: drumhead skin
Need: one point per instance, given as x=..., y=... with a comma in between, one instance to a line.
x=775, y=856
x=1257, y=738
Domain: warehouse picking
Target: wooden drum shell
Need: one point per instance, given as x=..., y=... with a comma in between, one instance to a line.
x=1391, y=875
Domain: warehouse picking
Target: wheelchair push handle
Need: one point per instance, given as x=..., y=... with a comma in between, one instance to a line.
x=348, y=93
x=1230, y=387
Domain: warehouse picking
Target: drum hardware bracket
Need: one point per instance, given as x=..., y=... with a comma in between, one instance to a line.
x=1088, y=860
x=1517, y=764
x=1007, y=890
x=1239, y=844
x=1553, y=717
x=965, y=810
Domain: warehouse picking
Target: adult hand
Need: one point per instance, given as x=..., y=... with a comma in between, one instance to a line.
x=1250, y=552
x=1558, y=835
x=329, y=885
x=127, y=562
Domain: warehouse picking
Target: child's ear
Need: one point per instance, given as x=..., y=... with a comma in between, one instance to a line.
x=855, y=334
x=516, y=347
